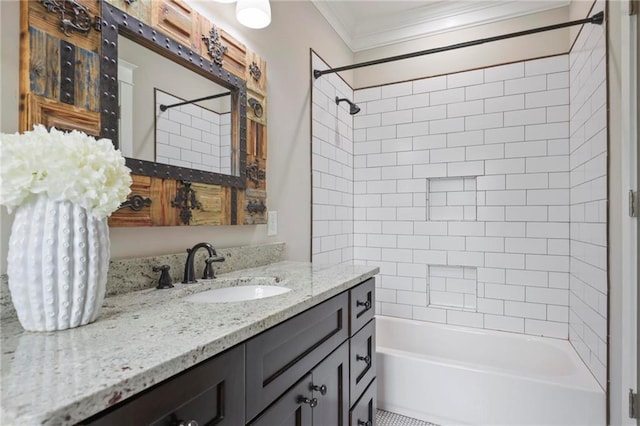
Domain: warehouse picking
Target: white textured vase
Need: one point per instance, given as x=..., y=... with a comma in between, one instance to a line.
x=57, y=264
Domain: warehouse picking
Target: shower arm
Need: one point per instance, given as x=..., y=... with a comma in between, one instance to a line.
x=597, y=19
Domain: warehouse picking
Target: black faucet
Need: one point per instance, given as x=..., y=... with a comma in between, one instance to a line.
x=189, y=273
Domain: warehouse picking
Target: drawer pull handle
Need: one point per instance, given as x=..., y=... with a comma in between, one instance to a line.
x=366, y=359
x=313, y=402
x=189, y=423
x=366, y=304
x=363, y=423
x=322, y=389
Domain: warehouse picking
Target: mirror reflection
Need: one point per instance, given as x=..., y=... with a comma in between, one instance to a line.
x=188, y=131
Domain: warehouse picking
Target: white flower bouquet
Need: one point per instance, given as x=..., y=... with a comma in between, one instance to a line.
x=72, y=166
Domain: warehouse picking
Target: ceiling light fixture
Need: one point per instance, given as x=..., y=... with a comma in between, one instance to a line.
x=253, y=13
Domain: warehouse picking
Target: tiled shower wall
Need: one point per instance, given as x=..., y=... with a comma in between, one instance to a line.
x=332, y=169
x=192, y=136
x=461, y=195
x=588, y=183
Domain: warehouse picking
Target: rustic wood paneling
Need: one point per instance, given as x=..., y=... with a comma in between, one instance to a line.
x=174, y=17
x=49, y=22
x=87, y=80
x=53, y=113
x=139, y=9
x=235, y=60
x=211, y=198
x=44, y=66
x=165, y=191
x=256, y=140
x=127, y=217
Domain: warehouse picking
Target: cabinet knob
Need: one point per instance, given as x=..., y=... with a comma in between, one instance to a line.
x=366, y=304
x=313, y=402
x=322, y=389
x=366, y=359
x=363, y=423
x=188, y=423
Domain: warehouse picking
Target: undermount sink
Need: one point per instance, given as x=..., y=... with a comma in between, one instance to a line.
x=237, y=293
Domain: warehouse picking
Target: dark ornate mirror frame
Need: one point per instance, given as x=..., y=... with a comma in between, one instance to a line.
x=114, y=22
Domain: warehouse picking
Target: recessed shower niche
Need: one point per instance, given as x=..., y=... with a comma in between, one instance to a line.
x=452, y=199
x=453, y=287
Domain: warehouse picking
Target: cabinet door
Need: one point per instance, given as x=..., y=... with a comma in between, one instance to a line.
x=211, y=393
x=364, y=412
x=362, y=302
x=331, y=388
x=291, y=409
x=363, y=359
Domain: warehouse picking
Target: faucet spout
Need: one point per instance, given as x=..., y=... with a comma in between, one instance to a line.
x=189, y=272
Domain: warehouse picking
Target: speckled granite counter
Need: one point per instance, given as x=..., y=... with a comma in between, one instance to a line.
x=144, y=337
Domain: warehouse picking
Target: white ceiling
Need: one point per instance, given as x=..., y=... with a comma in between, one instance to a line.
x=365, y=24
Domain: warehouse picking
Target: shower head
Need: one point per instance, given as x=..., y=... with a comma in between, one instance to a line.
x=353, y=108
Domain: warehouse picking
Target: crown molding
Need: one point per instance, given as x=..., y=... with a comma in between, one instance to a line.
x=431, y=19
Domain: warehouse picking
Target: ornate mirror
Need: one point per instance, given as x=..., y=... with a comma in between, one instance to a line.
x=173, y=113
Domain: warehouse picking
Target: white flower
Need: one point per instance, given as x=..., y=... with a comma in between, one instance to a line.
x=66, y=166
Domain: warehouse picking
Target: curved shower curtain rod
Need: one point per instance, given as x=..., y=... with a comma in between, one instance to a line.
x=597, y=19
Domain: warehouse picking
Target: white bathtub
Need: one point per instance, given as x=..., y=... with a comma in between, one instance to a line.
x=455, y=375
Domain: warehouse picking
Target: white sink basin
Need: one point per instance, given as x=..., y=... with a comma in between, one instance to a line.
x=236, y=293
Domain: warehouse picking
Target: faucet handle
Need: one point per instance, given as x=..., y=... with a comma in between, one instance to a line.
x=208, y=273
x=165, y=278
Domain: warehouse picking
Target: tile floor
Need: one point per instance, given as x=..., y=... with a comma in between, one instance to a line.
x=387, y=418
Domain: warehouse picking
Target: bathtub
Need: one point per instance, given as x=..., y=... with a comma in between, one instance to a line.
x=455, y=375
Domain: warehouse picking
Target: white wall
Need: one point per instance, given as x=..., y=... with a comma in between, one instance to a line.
x=296, y=27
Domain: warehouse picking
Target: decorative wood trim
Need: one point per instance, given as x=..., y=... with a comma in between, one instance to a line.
x=256, y=108
x=141, y=186
x=186, y=201
x=255, y=207
x=52, y=113
x=256, y=75
x=40, y=18
x=214, y=47
x=254, y=71
x=74, y=17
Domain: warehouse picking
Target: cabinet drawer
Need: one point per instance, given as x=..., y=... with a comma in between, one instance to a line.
x=362, y=357
x=361, y=305
x=206, y=393
x=278, y=357
x=364, y=412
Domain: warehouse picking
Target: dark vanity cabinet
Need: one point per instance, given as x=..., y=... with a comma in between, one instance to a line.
x=208, y=394
x=315, y=369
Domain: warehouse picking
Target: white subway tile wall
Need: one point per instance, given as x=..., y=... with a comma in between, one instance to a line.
x=333, y=171
x=480, y=195
x=588, y=183
x=462, y=194
x=192, y=136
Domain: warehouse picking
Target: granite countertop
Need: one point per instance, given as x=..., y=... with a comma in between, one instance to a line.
x=144, y=337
